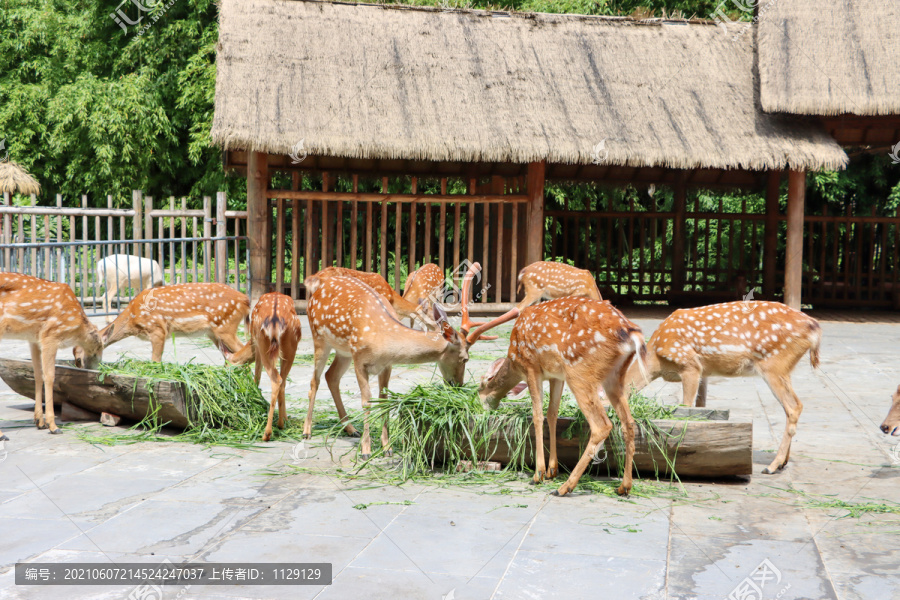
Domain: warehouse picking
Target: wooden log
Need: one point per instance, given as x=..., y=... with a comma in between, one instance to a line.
x=128, y=397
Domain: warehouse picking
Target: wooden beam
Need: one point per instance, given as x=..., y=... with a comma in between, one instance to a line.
x=534, y=233
x=793, y=262
x=257, y=214
x=678, y=233
x=770, y=244
x=398, y=198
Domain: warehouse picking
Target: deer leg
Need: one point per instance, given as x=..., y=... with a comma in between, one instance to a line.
x=690, y=384
x=784, y=391
x=587, y=396
x=48, y=368
x=287, y=361
x=338, y=367
x=107, y=303
x=701, y=393
x=37, y=367
x=158, y=344
x=536, y=389
x=619, y=399
x=277, y=382
x=257, y=369
x=556, y=389
x=321, y=352
x=532, y=295
x=362, y=377
x=383, y=379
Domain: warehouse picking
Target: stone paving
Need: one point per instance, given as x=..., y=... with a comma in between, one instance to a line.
x=62, y=500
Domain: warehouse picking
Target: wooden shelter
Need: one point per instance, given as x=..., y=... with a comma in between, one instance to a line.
x=367, y=130
x=15, y=179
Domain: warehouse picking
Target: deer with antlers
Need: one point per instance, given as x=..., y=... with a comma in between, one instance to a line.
x=48, y=316
x=349, y=317
x=275, y=332
x=213, y=309
x=735, y=339
x=548, y=280
x=403, y=307
x=424, y=287
x=584, y=343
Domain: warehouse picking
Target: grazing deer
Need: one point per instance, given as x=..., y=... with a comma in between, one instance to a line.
x=586, y=344
x=274, y=332
x=891, y=425
x=48, y=316
x=735, y=339
x=126, y=271
x=360, y=326
x=213, y=309
x=547, y=279
x=377, y=283
x=423, y=287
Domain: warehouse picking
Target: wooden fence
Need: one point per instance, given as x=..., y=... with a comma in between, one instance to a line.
x=191, y=245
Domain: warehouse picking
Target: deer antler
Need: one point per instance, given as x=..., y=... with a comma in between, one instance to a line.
x=480, y=328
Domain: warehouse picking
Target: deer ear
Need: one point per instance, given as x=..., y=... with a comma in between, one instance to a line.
x=494, y=369
x=440, y=315
x=448, y=332
x=106, y=332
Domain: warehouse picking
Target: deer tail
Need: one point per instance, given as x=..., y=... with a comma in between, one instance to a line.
x=273, y=327
x=640, y=352
x=816, y=339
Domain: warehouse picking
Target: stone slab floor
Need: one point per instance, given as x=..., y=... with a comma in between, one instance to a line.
x=63, y=500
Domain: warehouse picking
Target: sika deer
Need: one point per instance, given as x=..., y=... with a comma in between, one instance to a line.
x=186, y=308
x=423, y=287
x=350, y=318
x=119, y=271
x=547, y=279
x=735, y=339
x=377, y=283
x=48, y=316
x=585, y=343
x=891, y=425
x=274, y=332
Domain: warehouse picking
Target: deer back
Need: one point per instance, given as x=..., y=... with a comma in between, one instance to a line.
x=422, y=282
x=558, y=280
x=733, y=338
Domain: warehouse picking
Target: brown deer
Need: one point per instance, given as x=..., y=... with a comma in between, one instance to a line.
x=213, y=309
x=735, y=339
x=586, y=344
x=547, y=279
x=350, y=318
x=48, y=316
x=403, y=307
x=891, y=425
x=423, y=287
x=274, y=332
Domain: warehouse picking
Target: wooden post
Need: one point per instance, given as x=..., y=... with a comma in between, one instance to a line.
x=678, y=234
x=793, y=260
x=148, y=226
x=257, y=215
x=534, y=249
x=770, y=244
x=221, y=245
x=137, y=222
x=207, y=233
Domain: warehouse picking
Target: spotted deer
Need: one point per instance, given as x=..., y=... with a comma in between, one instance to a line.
x=582, y=342
x=423, y=287
x=274, y=333
x=735, y=339
x=403, y=307
x=350, y=318
x=48, y=316
x=891, y=424
x=548, y=280
x=190, y=309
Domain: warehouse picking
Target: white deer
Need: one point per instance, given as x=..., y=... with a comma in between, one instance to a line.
x=119, y=271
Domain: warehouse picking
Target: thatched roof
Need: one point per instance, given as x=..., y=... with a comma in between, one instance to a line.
x=381, y=81
x=824, y=57
x=13, y=178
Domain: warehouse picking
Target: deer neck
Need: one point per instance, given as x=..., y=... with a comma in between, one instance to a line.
x=408, y=346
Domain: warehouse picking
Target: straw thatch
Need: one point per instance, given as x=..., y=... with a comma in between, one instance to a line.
x=375, y=81
x=13, y=178
x=824, y=57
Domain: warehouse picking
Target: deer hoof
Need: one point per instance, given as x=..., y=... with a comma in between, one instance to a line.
x=770, y=471
x=622, y=490
x=366, y=456
x=388, y=452
x=306, y=436
x=3, y=438
x=56, y=431
x=41, y=425
x=551, y=473
x=353, y=434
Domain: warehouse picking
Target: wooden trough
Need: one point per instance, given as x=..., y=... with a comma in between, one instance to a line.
x=714, y=447
x=128, y=397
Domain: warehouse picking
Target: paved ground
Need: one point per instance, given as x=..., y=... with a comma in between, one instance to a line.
x=62, y=500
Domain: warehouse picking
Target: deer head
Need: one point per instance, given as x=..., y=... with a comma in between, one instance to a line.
x=891, y=425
